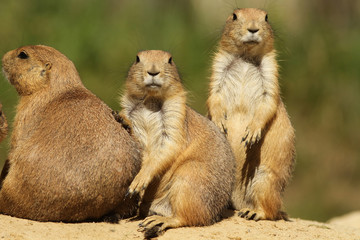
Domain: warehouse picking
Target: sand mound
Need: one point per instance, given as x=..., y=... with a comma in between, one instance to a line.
x=351, y=220
x=233, y=228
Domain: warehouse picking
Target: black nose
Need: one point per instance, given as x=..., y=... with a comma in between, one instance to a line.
x=153, y=73
x=253, y=30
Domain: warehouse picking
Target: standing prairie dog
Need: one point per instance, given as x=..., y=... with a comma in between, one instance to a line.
x=3, y=125
x=187, y=170
x=69, y=159
x=244, y=102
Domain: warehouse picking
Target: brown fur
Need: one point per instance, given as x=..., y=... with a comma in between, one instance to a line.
x=69, y=159
x=3, y=134
x=244, y=102
x=3, y=125
x=188, y=166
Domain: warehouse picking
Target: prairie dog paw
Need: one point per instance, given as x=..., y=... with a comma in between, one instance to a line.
x=120, y=118
x=3, y=124
x=250, y=214
x=152, y=226
x=252, y=135
x=155, y=225
x=138, y=185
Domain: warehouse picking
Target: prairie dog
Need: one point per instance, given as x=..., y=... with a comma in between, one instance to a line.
x=69, y=159
x=3, y=125
x=187, y=166
x=244, y=102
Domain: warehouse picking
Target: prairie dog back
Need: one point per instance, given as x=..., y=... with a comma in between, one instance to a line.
x=69, y=159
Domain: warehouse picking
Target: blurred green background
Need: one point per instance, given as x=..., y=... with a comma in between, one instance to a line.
x=319, y=53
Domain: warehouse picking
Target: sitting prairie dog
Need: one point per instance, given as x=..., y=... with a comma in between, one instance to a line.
x=69, y=159
x=187, y=166
x=244, y=102
x=3, y=125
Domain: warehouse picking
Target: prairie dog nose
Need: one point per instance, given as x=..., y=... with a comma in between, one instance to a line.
x=153, y=73
x=253, y=30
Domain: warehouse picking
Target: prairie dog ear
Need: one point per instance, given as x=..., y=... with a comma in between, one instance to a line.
x=48, y=65
x=47, y=68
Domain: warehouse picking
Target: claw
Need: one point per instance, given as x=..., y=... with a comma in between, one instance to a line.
x=250, y=214
x=130, y=193
x=251, y=217
x=152, y=232
x=141, y=229
x=224, y=129
x=127, y=194
x=146, y=222
x=244, y=214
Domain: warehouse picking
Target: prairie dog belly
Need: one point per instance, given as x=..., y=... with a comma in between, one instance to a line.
x=238, y=85
x=147, y=125
x=235, y=129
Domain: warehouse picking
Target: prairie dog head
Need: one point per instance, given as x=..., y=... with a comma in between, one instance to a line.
x=153, y=74
x=33, y=68
x=248, y=34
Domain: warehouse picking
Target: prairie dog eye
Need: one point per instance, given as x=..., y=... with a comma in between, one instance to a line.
x=266, y=18
x=23, y=55
x=170, y=60
x=137, y=59
x=234, y=16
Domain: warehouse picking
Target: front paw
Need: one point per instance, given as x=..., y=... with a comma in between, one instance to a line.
x=126, y=124
x=221, y=124
x=139, y=185
x=3, y=124
x=252, y=135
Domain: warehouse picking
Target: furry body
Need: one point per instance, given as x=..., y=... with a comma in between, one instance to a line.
x=69, y=159
x=244, y=102
x=187, y=169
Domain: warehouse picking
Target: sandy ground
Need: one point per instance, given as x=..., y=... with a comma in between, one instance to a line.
x=351, y=219
x=233, y=228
